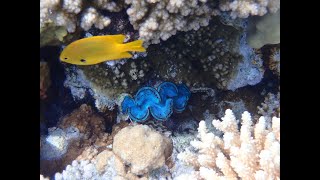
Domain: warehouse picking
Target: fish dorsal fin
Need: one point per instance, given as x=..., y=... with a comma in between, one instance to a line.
x=118, y=38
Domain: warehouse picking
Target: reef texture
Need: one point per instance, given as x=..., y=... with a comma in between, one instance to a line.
x=273, y=60
x=270, y=107
x=45, y=80
x=219, y=57
x=154, y=19
x=160, y=102
x=144, y=150
x=106, y=82
x=130, y=157
x=59, y=19
x=244, y=8
x=251, y=153
x=74, y=132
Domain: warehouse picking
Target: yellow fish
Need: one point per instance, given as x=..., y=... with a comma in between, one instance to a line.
x=97, y=49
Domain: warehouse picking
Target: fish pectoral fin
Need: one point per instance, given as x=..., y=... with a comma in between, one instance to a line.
x=118, y=38
x=125, y=55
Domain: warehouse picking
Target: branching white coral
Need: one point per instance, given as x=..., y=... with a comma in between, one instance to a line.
x=251, y=153
x=244, y=8
x=110, y=5
x=157, y=20
x=58, y=18
x=92, y=17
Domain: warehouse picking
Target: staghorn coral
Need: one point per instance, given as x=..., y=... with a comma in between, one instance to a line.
x=144, y=150
x=251, y=153
x=45, y=80
x=159, y=102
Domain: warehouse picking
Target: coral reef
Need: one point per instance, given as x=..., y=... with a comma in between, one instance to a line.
x=157, y=20
x=144, y=150
x=244, y=8
x=225, y=52
x=274, y=60
x=251, y=153
x=220, y=57
x=55, y=145
x=100, y=166
x=45, y=80
x=105, y=82
x=270, y=107
x=59, y=18
x=131, y=157
x=73, y=134
x=264, y=30
x=86, y=121
x=159, y=102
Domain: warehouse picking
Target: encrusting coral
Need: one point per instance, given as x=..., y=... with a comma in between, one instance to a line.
x=251, y=153
x=159, y=102
x=219, y=57
x=144, y=150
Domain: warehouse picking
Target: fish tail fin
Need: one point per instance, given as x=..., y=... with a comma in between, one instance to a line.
x=125, y=55
x=134, y=46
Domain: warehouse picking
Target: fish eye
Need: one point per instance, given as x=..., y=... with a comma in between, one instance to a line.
x=83, y=60
x=65, y=58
